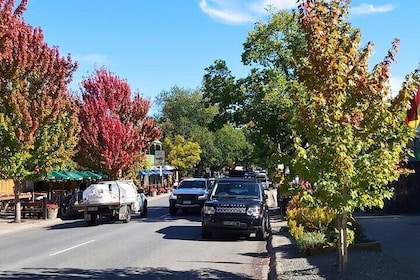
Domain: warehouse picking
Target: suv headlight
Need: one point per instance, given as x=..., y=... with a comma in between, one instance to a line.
x=172, y=196
x=204, y=196
x=254, y=211
x=209, y=210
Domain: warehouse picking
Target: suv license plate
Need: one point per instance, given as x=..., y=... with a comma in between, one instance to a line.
x=187, y=201
x=231, y=223
x=93, y=208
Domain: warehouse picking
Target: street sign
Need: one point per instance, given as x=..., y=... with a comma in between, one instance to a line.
x=160, y=158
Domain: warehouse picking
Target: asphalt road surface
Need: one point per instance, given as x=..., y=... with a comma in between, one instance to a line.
x=399, y=237
x=157, y=247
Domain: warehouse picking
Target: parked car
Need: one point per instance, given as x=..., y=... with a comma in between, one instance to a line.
x=263, y=179
x=236, y=205
x=190, y=194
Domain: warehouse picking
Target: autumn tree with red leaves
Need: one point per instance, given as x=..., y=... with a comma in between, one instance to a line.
x=115, y=127
x=38, y=118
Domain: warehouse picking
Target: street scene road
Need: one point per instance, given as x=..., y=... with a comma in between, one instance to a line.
x=157, y=247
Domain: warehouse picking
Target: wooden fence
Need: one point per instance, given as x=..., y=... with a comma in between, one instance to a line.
x=6, y=187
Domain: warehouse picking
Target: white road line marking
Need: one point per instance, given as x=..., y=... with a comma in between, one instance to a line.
x=62, y=251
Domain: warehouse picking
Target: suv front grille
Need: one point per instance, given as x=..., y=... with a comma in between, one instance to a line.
x=231, y=209
x=191, y=197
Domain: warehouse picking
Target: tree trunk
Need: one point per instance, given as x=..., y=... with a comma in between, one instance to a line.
x=342, y=246
x=17, y=188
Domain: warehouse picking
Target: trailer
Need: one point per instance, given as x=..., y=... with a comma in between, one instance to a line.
x=116, y=200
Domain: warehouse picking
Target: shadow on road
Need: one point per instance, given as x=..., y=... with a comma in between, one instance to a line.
x=126, y=273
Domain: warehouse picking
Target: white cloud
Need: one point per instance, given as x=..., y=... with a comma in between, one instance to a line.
x=242, y=11
x=364, y=9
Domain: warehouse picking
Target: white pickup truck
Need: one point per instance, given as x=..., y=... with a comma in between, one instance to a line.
x=114, y=199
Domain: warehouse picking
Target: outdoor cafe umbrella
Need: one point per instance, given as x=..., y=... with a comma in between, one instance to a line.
x=57, y=176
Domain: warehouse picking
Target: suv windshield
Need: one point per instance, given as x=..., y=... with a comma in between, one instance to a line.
x=237, y=189
x=192, y=185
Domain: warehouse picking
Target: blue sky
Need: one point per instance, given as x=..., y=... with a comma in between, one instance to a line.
x=158, y=44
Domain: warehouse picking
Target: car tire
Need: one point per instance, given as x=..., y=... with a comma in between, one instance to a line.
x=172, y=210
x=128, y=215
x=92, y=221
x=144, y=210
x=205, y=234
x=261, y=234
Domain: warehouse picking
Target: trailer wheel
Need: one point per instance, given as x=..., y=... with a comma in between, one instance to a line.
x=144, y=210
x=128, y=215
x=92, y=221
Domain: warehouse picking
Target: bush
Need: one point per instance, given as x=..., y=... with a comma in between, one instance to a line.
x=311, y=240
x=314, y=227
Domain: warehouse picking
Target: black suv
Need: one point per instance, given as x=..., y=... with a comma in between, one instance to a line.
x=236, y=205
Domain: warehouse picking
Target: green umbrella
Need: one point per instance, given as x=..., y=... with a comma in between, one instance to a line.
x=72, y=175
x=57, y=176
x=84, y=174
x=93, y=175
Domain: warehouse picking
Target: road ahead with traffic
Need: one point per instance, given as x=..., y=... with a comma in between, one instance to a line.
x=157, y=247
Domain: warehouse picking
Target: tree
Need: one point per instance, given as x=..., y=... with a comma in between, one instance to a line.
x=349, y=131
x=38, y=118
x=184, y=113
x=183, y=154
x=115, y=127
x=274, y=49
x=221, y=89
x=234, y=147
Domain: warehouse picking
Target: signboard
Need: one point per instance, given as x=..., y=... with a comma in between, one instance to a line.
x=159, y=157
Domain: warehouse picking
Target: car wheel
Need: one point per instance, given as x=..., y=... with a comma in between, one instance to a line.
x=128, y=215
x=92, y=221
x=262, y=232
x=172, y=210
x=144, y=210
x=205, y=234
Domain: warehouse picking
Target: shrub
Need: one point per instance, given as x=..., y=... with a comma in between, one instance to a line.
x=295, y=230
x=313, y=219
x=311, y=240
x=316, y=226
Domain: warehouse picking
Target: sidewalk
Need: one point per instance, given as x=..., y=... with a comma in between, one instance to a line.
x=287, y=263
x=8, y=226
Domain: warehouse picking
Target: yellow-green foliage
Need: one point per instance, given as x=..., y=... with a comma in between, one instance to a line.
x=295, y=230
x=308, y=224
x=312, y=218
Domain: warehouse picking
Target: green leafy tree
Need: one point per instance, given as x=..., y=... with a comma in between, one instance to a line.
x=234, y=147
x=349, y=131
x=184, y=113
x=221, y=89
x=38, y=118
x=183, y=154
x=275, y=49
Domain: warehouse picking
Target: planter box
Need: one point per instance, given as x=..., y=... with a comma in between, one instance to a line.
x=52, y=213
